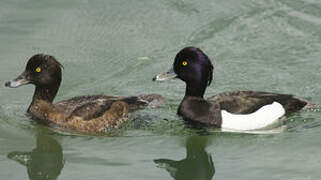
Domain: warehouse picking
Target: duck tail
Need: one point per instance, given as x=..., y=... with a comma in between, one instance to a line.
x=141, y=101
x=301, y=104
x=152, y=100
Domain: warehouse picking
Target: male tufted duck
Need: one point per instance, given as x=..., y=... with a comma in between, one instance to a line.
x=87, y=114
x=241, y=110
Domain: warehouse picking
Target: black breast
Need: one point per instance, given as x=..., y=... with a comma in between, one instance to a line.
x=200, y=112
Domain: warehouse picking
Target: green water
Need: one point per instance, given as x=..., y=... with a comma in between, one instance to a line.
x=116, y=47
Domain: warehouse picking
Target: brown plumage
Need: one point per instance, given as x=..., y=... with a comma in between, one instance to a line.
x=52, y=115
x=87, y=114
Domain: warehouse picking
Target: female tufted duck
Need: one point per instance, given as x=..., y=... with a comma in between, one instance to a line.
x=251, y=110
x=87, y=114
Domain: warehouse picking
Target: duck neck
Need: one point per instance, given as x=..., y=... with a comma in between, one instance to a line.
x=195, y=89
x=45, y=93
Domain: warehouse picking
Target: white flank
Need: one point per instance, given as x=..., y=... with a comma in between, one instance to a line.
x=262, y=118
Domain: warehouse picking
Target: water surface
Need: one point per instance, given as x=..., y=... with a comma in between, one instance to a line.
x=116, y=47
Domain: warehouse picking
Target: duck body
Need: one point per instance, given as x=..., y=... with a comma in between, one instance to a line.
x=89, y=118
x=246, y=102
x=255, y=108
x=87, y=114
x=92, y=106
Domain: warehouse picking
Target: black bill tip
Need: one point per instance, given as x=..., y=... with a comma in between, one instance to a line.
x=7, y=84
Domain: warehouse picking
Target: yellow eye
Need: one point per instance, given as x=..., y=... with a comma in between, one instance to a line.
x=184, y=63
x=38, y=69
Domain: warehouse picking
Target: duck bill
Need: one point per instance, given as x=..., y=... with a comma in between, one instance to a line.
x=19, y=81
x=170, y=74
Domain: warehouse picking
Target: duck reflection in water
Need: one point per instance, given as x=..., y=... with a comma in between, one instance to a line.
x=198, y=164
x=43, y=162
